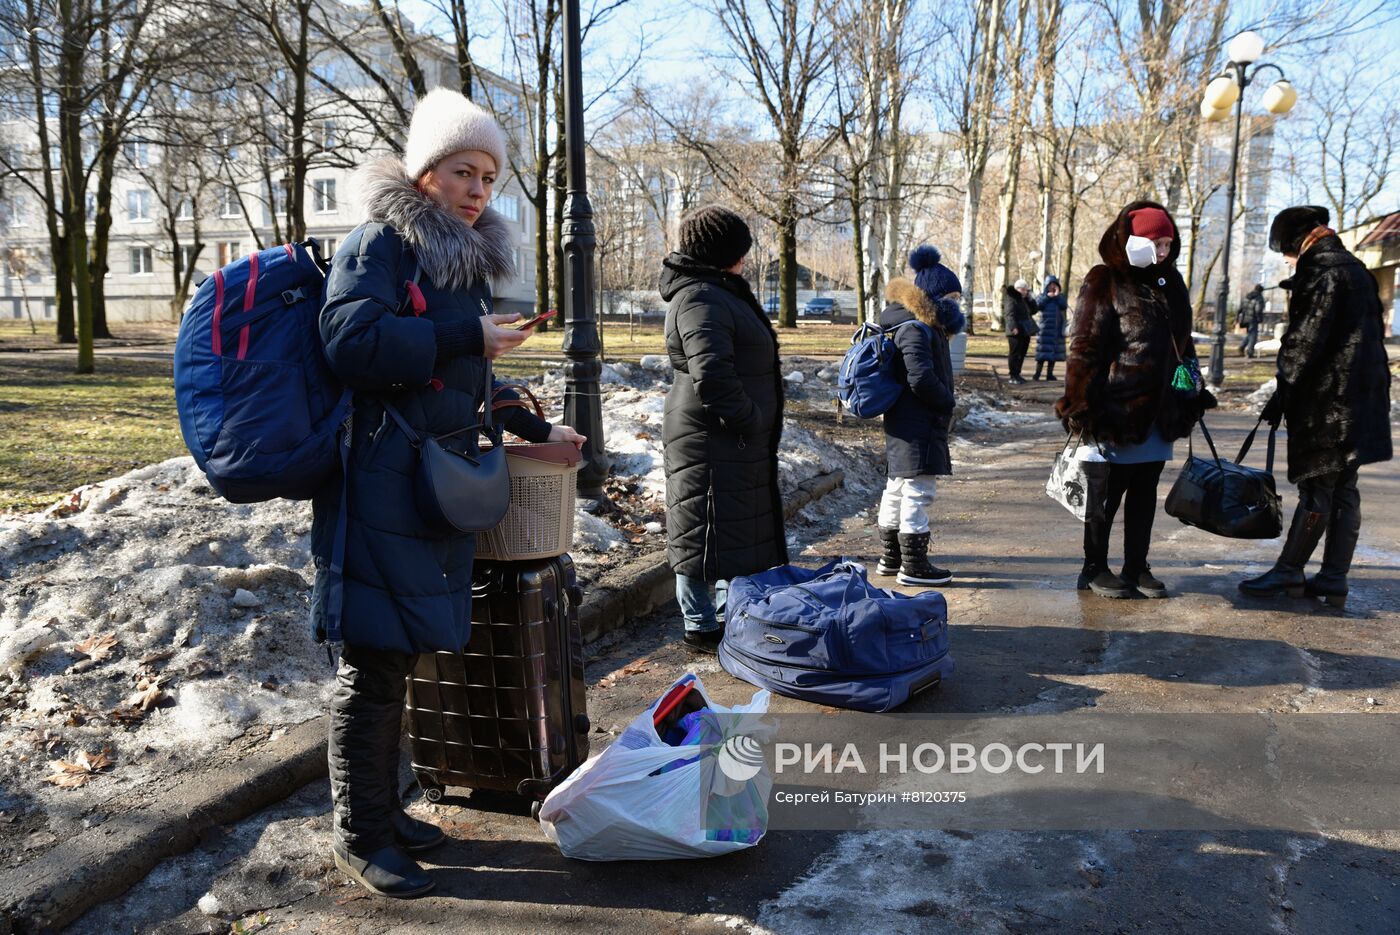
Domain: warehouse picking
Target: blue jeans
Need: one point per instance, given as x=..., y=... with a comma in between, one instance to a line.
x=701, y=613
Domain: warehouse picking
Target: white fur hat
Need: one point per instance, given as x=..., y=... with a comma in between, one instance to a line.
x=445, y=122
x=1018, y=284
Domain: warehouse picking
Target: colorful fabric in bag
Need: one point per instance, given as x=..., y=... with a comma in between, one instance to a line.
x=829, y=636
x=1225, y=497
x=259, y=406
x=645, y=799
x=867, y=383
x=1079, y=484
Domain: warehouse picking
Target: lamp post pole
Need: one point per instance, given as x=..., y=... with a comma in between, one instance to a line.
x=582, y=348
x=1217, y=348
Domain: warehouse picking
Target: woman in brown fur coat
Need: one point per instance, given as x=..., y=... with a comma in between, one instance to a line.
x=1132, y=329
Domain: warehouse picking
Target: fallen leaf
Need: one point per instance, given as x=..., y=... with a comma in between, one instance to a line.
x=80, y=771
x=161, y=656
x=97, y=647
x=148, y=694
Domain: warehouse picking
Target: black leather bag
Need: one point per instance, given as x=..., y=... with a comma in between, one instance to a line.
x=1228, y=498
x=459, y=490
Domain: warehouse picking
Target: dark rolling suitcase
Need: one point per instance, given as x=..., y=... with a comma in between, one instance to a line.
x=507, y=713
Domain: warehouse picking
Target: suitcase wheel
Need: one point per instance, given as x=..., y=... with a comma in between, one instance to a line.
x=535, y=809
x=433, y=790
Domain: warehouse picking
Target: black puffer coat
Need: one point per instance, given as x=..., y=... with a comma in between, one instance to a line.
x=1332, y=367
x=722, y=425
x=916, y=426
x=407, y=587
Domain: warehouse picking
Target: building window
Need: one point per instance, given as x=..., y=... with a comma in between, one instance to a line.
x=12, y=212
x=184, y=210
x=137, y=152
x=228, y=203
x=138, y=205
x=328, y=245
x=276, y=206
x=141, y=261
x=508, y=206
x=327, y=135
x=229, y=250
x=324, y=196
x=185, y=259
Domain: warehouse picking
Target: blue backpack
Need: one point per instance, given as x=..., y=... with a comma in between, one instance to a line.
x=829, y=636
x=259, y=406
x=867, y=383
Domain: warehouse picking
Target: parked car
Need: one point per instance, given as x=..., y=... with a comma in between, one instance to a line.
x=827, y=308
x=770, y=305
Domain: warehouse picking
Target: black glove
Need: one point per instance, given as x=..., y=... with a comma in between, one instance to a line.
x=1273, y=410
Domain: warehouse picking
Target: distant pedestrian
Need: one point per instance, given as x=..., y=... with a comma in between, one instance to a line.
x=1050, y=345
x=921, y=315
x=722, y=423
x=1334, y=390
x=1250, y=317
x=1018, y=317
x=1131, y=334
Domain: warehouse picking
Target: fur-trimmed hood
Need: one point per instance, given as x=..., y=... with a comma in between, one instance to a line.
x=943, y=314
x=452, y=253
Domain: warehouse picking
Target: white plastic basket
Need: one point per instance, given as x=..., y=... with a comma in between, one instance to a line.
x=540, y=521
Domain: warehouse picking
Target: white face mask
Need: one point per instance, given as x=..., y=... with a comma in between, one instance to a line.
x=1141, y=251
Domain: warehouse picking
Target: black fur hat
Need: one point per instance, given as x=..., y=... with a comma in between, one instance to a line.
x=1292, y=225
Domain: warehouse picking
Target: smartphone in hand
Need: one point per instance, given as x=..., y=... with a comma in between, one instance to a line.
x=542, y=316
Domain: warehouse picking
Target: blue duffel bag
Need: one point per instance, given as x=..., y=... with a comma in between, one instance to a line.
x=829, y=636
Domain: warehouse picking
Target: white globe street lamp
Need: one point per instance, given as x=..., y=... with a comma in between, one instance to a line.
x=1245, y=48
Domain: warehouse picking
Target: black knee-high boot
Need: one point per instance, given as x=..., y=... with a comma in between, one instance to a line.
x=366, y=721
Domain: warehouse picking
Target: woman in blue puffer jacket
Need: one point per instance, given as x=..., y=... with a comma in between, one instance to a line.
x=424, y=344
x=1050, y=346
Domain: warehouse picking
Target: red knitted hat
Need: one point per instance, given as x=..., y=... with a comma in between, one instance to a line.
x=1151, y=223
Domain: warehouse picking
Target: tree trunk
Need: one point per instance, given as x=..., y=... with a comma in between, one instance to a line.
x=858, y=248
x=971, y=199
x=70, y=103
x=1067, y=262
x=1011, y=170
x=787, y=268
x=101, y=230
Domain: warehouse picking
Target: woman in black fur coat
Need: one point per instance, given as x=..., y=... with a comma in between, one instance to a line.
x=1334, y=389
x=1132, y=331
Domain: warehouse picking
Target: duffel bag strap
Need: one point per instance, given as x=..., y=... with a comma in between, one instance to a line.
x=1209, y=441
x=1249, y=441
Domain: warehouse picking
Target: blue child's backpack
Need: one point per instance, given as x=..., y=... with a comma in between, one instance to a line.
x=829, y=636
x=867, y=384
x=259, y=407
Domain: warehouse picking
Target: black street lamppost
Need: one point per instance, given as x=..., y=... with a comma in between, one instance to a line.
x=582, y=401
x=1224, y=91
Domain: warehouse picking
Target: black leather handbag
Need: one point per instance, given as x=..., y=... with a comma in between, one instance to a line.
x=461, y=490
x=1228, y=498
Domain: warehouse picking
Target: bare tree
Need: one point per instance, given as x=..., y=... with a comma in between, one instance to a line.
x=782, y=53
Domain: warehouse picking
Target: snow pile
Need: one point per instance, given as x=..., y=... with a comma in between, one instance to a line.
x=147, y=617
x=978, y=410
x=632, y=427
x=1259, y=398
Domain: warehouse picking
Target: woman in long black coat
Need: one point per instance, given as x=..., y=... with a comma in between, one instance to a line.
x=1334, y=390
x=722, y=424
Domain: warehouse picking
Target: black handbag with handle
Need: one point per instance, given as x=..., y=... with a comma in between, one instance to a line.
x=468, y=491
x=1228, y=498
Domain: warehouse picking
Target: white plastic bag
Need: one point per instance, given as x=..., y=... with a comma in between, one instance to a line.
x=614, y=808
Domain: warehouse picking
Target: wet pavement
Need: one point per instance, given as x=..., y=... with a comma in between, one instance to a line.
x=1026, y=642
